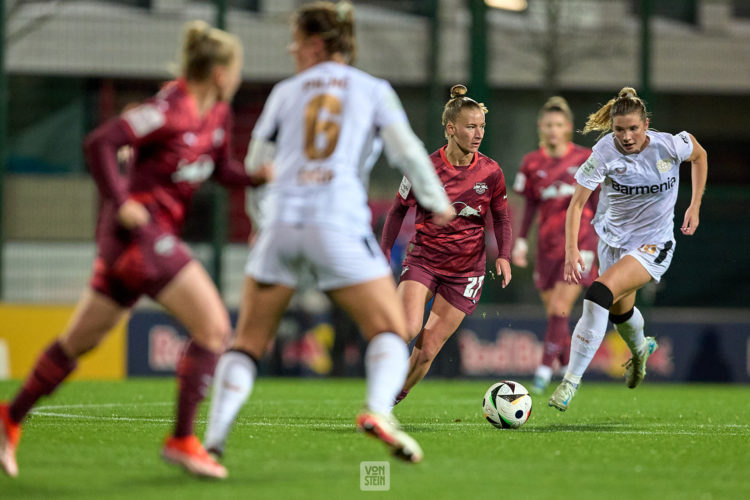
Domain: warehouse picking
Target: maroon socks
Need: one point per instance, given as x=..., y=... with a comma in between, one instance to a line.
x=52, y=367
x=556, y=341
x=194, y=372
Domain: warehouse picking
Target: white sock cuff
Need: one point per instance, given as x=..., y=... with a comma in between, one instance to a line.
x=387, y=342
x=231, y=360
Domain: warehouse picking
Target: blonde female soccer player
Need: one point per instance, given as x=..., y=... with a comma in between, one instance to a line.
x=319, y=127
x=448, y=262
x=138, y=248
x=546, y=182
x=638, y=170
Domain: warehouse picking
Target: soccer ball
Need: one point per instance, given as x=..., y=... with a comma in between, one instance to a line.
x=507, y=405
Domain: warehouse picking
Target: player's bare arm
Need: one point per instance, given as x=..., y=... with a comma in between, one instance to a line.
x=574, y=263
x=698, y=175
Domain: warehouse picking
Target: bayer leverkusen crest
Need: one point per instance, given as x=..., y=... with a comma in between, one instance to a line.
x=480, y=187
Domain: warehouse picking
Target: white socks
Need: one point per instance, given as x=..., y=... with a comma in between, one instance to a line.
x=544, y=372
x=587, y=337
x=386, y=365
x=631, y=332
x=233, y=382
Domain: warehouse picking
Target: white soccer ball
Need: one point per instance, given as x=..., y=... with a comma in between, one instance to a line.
x=507, y=405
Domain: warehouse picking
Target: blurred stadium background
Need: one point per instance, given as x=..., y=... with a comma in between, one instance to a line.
x=68, y=65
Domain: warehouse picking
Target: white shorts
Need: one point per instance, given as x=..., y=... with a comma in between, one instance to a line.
x=654, y=258
x=287, y=254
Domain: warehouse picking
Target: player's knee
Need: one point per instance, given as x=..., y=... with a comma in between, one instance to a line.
x=600, y=294
x=214, y=335
x=413, y=327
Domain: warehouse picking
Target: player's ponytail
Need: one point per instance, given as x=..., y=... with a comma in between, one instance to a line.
x=457, y=102
x=203, y=48
x=626, y=102
x=333, y=23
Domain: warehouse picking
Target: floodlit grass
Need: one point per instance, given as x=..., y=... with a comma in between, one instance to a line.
x=296, y=439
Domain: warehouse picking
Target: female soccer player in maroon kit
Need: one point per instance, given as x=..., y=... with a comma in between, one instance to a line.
x=546, y=182
x=181, y=137
x=448, y=262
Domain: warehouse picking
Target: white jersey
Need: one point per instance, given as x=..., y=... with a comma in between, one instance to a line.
x=324, y=122
x=639, y=191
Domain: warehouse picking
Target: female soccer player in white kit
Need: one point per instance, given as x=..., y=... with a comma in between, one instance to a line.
x=318, y=127
x=638, y=170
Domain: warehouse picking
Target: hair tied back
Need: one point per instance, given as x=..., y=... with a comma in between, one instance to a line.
x=344, y=11
x=458, y=90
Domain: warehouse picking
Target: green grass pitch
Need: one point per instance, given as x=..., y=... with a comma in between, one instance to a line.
x=296, y=439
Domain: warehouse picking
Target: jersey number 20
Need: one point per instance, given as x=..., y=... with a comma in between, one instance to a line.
x=316, y=124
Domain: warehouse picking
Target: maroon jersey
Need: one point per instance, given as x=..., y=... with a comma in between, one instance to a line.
x=176, y=150
x=475, y=191
x=548, y=184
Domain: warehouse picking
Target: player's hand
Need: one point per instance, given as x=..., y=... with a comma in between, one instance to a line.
x=444, y=217
x=574, y=265
x=502, y=267
x=520, y=250
x=263, y=175
x=133, y=214
x=690, y=222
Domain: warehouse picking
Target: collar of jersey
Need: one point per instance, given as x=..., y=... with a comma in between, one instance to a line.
x=462, y=167
x=191, y=102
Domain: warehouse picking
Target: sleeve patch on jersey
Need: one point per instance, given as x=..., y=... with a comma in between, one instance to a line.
x=664, y=165
x=519, y=185
x=404, y=188
x=144, y=119
x=589, y=167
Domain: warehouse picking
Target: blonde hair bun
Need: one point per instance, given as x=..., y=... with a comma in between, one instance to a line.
x=627, y=92
x=458, y=90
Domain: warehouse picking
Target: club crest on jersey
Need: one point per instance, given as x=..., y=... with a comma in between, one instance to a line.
x=480, y=187
x=664, y=165
x=621, y=170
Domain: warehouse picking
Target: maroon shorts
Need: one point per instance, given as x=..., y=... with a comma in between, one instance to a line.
x=547, y=272
x=130, y=264
x=462, y=292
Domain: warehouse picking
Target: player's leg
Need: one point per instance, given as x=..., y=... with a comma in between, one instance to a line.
x=375, y=307
x=94, y=316
x=193, y=299
x=260, y=312
x=414, y=295
x=558, y=302
x=624, y=277
x=629, y=323
x=442, y=322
